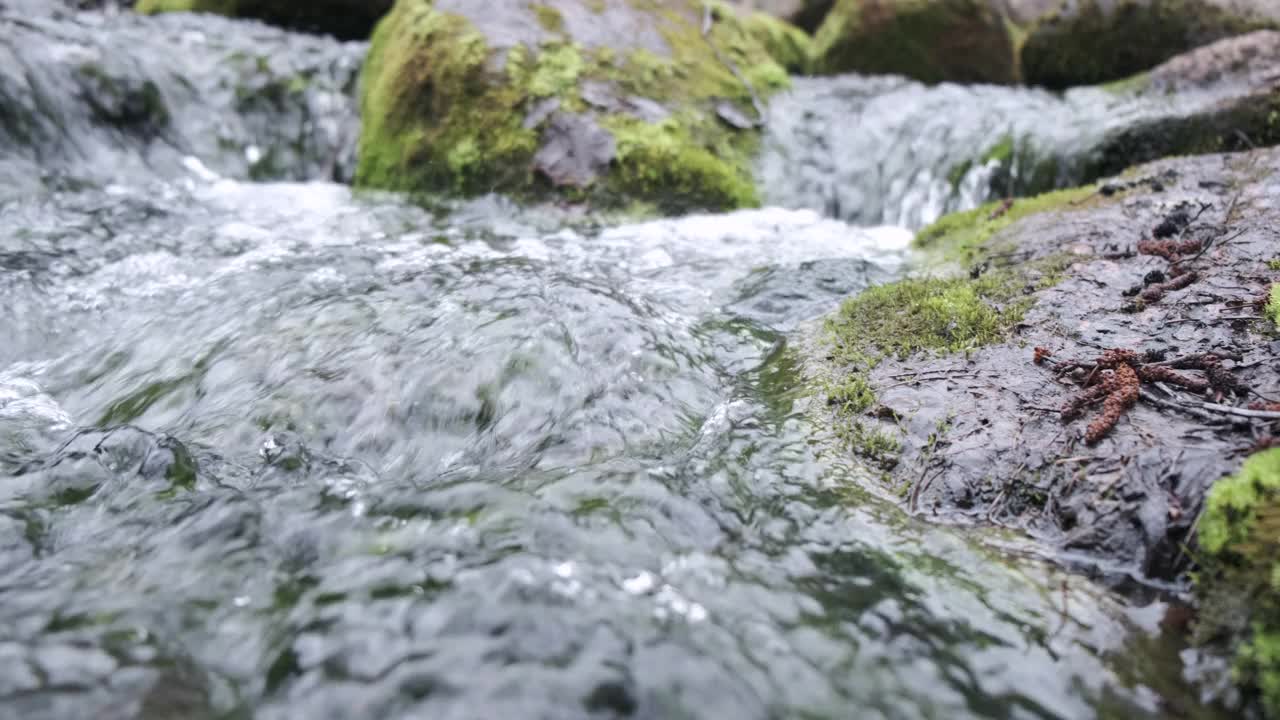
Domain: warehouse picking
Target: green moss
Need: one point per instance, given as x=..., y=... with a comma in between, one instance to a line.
x=1001, y=152
x=960, y=236
x=219, y=7
x=942, y=314
x=553, y=72
x=433, y=118
x=957, y=172
x=1132, y=85
x=928, y=40
x=932, y=314
x=1239, y=581
x=668, y=164
x=1273, y=304
x=1274, y=264
x=549, y=18
x=789, y=46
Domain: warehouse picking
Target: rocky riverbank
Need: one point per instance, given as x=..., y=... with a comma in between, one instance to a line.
x=1095, y=360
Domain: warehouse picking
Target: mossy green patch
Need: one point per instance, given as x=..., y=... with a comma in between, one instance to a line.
x=1239, y=581
x=669, y=164
x=1273, y=304
x=934, y=314
x=960, y=236
x=433, y=117
x=929, y=314
x=549, y=18
x=791, y=47
x=219, y=7
x=928, y=40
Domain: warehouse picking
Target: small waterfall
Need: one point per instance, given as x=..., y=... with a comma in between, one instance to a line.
x=873, y=150
x=99, y=97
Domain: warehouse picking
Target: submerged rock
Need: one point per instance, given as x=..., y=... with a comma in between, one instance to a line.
x=935, y=379
x=346, y=19
x=611, y=102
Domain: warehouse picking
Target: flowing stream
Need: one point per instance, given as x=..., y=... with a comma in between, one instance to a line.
x=270, y=449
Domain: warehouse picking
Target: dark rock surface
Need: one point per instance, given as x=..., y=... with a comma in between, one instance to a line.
x=345, y=19
x=1050, y=43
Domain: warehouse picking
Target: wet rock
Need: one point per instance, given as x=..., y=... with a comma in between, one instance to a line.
x=14, y=547
x=104, y=97
x=346, y=19
x=66, y=666
x=575, y=151
x=16, y=673
x=980, y=434
x=457, y=98
x=1092, y=41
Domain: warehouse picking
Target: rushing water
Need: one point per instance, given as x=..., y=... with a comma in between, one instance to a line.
x=270, y=450
x=889, y=150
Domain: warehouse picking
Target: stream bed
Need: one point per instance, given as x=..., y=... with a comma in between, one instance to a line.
x=274, y=450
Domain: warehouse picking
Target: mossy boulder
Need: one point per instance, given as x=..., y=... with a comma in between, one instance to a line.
x=616, y=103
x=1083, y=42
x=927, y=40
x=1239, y=582
x=346, y=19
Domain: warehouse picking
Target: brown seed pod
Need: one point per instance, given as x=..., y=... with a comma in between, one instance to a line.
x=1123, y=393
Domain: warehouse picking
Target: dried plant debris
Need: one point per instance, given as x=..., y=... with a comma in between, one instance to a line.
x=1122, y=392
x=1116, y=376
x=1171, y=250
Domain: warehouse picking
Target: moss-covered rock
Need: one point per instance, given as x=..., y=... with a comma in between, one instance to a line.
x=1086, y=42
x=616, y=103
x=928, y=40
x=790, y=46
x=1239, y=582
x=347, y=19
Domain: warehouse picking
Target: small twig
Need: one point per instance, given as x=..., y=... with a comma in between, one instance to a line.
x=1242, y=412
x=976, y=376
x=1077, y=459
x=1207, y=417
